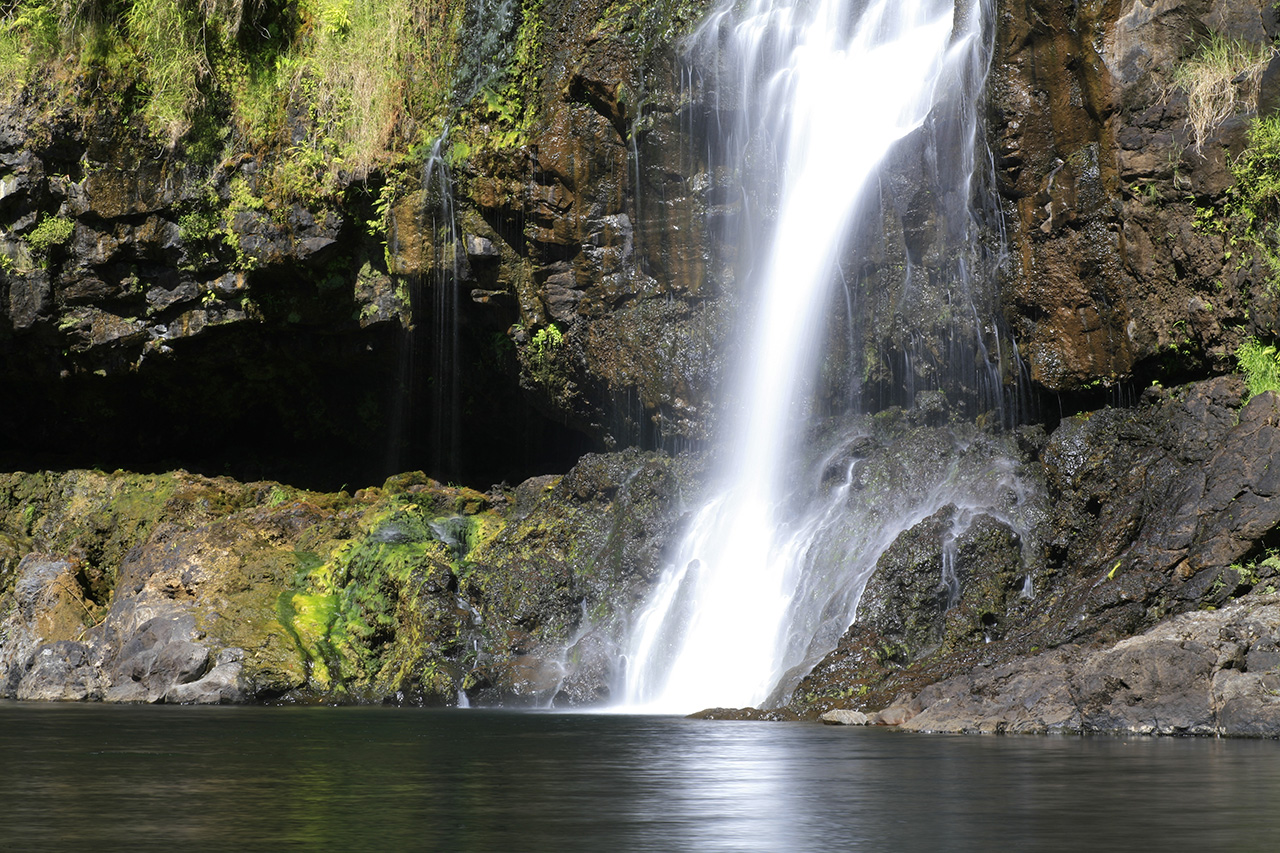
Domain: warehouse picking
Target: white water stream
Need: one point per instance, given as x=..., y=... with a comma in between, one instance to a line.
x=835, y=84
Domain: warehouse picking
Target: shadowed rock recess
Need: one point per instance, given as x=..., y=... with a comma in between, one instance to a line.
x=262, y=312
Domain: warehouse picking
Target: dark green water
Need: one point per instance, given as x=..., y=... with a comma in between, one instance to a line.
x=92, y=777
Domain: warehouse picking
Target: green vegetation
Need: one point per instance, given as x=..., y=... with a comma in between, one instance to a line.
x=510, y=102
x=1253, y=203
x=52, y=231
x=322, y=93
x=30, y=35
x=333, y=87
x=1260, y=365
x=1242, y=578
x=1220, y=76
x=370, y=616
x=545, y=342
x=543, y=357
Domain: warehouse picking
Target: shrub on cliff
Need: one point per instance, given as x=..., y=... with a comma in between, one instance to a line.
x=1260, y=365
x=1255, y=196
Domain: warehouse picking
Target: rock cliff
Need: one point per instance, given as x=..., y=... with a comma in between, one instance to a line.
x=522, y=259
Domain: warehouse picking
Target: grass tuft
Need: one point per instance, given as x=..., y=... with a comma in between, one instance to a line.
x=1220, y=80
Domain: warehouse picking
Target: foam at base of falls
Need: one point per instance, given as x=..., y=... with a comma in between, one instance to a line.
x=861, y=487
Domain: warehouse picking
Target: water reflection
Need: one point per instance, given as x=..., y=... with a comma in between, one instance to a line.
x=156, y=778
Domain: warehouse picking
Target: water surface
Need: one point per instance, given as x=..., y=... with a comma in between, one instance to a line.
x=94, y=777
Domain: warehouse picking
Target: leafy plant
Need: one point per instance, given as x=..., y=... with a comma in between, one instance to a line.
x=545, y=342
x=1253, y=201
x=543, y=353
x=1260, y=365
x=198, y=225
x=29, y=33
x=52, y=231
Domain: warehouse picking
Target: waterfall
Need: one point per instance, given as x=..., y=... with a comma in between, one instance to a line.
x=756, y=588
x=425, y=427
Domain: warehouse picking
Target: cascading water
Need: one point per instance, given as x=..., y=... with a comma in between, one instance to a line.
x=758, y=589
x=433, y=299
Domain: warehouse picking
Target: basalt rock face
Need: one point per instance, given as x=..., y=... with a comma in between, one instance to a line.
x=600, y=228
x=1153, y=512
x=184, y=589
x=1124, y=268
x=1203, y=673
x=1121, y=263
x=156, y=312
x=129, y=336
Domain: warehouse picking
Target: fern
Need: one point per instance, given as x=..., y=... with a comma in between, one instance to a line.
x=1260, y=365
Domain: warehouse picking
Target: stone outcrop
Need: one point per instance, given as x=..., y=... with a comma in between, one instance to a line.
x=562, y=285
x=184, y=589
x=345, y=320
x=1122, y=267
x=1151, y=512
x=1203, y=673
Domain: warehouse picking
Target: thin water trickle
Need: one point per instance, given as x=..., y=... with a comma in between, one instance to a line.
x=754, y=592
x=428, y=403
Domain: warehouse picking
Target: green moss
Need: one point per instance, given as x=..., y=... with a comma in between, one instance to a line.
x=52, y=231
x=378, y=616
x=310, y=619
x=484, y=528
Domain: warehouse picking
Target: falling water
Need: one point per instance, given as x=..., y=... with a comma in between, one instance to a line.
x=425, y=426
x=755, y=590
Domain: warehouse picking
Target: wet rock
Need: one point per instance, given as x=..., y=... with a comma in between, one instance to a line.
x=1183, y=677
x=480, y=247
x=1152, y=512
x=562, y=578
x=906, y=597
x=160, y=298
x=1103, y=181
x=48, y=605
x=154, y=657
x=185, y=589
x=30, y=299
x=764, y=715
x=591, y=664
x=1154, y=505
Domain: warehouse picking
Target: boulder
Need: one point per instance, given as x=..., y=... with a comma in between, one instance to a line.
x=220, y=686
x=155, y=656
x=1187, y=676
x=844, y=718
x=61, y=671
